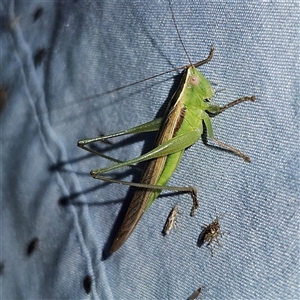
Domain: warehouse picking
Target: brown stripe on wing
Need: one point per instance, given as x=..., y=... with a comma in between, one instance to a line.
x=152, y=172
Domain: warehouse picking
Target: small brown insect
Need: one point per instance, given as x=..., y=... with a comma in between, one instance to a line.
x=171, y=221
x=87, y=283
x=210, y=233
x=33, y=246
x=195, y=294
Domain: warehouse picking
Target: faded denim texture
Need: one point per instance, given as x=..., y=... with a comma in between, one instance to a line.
x=92, y=47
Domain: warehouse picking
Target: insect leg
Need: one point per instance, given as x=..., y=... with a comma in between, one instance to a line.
x=232, y=149
x=238, y=101
x=209, y=129
x=146, y=127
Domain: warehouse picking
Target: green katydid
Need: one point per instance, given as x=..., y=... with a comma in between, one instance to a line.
x=180, y=128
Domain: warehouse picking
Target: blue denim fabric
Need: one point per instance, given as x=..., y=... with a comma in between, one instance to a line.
x=92, y=47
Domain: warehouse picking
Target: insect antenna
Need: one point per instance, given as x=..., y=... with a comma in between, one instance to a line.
x=176, y=27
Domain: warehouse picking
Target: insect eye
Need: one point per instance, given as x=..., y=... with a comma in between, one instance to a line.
x=194, y=80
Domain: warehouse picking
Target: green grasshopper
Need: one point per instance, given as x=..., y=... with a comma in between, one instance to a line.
x=180, y=128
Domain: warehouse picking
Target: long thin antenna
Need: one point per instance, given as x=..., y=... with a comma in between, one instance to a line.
x=176, y=27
